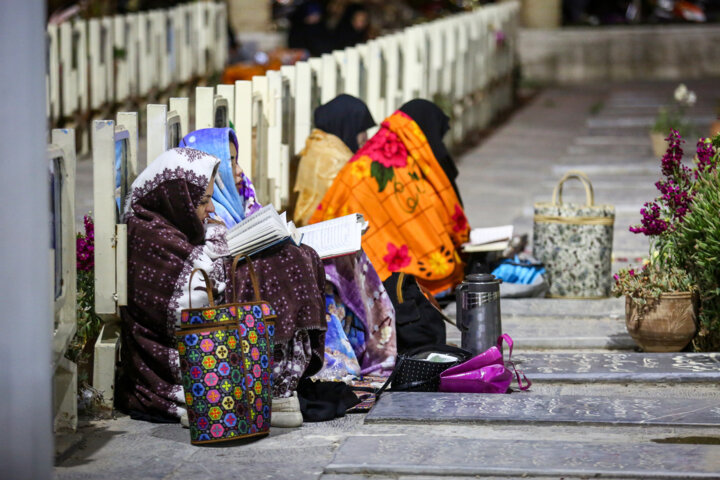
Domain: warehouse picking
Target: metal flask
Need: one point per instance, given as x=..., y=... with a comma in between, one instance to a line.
x=478, y=312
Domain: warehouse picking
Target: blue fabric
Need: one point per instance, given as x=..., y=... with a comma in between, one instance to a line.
x=229, y=206
x=340, y=359
x=118, y=172
x=518, y=271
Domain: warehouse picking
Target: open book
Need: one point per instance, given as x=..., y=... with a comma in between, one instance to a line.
x=261, y=230
x=489, y=239
x=266, y=228
x=335, y=237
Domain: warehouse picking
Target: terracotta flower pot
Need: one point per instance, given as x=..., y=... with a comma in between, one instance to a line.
x=667, y=325
x=659, y=145
x=715, y=128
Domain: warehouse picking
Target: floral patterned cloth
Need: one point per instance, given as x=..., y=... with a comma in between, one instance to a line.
x=365, y=311
x=416, y=220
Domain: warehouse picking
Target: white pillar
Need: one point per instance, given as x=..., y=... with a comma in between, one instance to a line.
x=25, y=289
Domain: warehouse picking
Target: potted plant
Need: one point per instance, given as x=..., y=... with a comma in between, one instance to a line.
x=699, y=240
x=715, y=126
x=661, y=297
x=659, y=306
x=89, y=324
x=672, y=117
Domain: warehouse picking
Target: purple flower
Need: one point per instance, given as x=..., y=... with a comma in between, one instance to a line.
x=705, y=153
x=672, y=159
x=85, y=246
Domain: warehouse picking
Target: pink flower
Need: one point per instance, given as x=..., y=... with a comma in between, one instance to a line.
x=397, y=257
x=388, y=150
x=460, y=220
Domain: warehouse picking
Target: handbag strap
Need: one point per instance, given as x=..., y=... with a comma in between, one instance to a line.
x=578, y=175
x=505, y=337
x=253, y=278
x=398, y=287
x=208, y=286
x=429, y=296
x=463, y=354
x=391, y=377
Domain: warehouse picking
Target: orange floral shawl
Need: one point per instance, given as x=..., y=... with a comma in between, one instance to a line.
x=416, y=221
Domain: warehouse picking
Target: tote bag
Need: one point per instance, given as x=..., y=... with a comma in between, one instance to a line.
x=574, y=242
x=226, y=360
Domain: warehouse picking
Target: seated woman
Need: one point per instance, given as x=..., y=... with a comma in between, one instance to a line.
x=360, y=316
x=397, y=181
x=340, y=129
x=167, y=237
x=291, y=278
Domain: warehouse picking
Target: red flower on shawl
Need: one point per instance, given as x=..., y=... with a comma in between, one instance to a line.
x=460, y=220
x=397, y=257
x=388, y=150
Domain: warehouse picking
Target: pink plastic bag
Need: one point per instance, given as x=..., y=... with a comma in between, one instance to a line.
x=484, y=373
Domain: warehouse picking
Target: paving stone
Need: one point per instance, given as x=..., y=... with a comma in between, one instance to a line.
x=628, y=121
x=560, y=308
x=620, y=367
x=528, y=409
x=611, y=140
x=422, y=455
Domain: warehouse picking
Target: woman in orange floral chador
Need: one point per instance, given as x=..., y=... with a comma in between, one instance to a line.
x=396, y=181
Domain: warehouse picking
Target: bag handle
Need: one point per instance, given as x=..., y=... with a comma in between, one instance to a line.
x=578, y=175
x=253, y=278
x=509, y=341
x=398, y=287
x=208, y=286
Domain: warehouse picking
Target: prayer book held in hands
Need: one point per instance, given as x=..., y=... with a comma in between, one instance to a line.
x=336, y=237
x=489, y=239
x=266, y=228
x=261, y=230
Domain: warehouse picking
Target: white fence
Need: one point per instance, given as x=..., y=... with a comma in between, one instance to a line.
x=465, y=62
x=105, y=61
x=61, y=158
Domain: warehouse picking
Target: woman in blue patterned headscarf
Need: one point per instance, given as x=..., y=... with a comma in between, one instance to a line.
x=234, y=195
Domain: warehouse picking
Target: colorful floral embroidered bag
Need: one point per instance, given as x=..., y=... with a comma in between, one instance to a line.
x=226, y=364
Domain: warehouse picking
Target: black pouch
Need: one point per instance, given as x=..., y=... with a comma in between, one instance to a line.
x=414, y=373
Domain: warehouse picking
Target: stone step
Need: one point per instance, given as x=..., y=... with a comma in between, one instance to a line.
x=620, y=367
x=435, y=455
x=642, y=121
x=528, y=409
x=603, y=140
x=548, y=331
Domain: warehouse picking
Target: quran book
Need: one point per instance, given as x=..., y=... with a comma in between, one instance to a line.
x=489, y=239
x=259, y=231
x=332, y=238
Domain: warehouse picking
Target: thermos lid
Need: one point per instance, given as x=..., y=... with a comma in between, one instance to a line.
x=483, y=282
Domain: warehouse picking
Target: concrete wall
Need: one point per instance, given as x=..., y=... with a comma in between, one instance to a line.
x=575, y=55
x=26, y=323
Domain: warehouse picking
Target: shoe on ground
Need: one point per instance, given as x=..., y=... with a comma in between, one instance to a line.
x=184, y=421
x=286, y=412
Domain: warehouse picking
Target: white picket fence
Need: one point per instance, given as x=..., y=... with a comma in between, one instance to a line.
x=61, y=165
x=105, y=61
x=459, y=61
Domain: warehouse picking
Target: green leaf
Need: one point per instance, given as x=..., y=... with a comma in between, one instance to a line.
x=382, y=174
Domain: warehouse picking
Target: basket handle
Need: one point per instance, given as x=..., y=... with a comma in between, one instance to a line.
x=578, y=175
x=208, y=286
x=253, y=278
